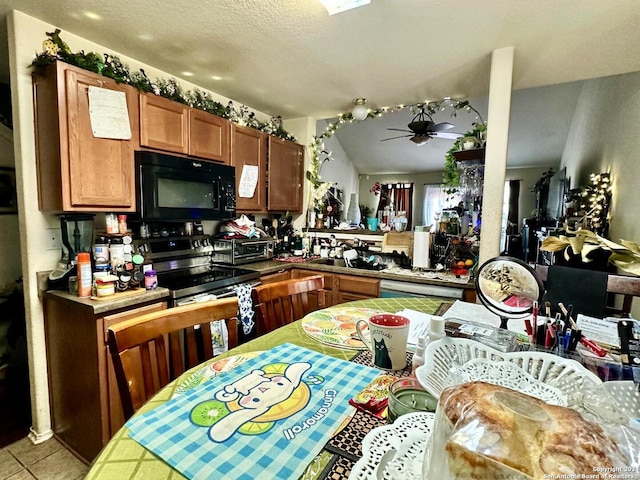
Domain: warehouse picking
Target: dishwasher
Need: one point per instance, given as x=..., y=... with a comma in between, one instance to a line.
x=394, y=288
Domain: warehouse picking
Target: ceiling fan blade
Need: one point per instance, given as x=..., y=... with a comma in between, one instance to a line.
x=420, y=139
x=442, y=126
x=400, y=130
x=393, y=138
x=447, y=135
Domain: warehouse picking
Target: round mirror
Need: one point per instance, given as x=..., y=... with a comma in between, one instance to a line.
x=508, y=287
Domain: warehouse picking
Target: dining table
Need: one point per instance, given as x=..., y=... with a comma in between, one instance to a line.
x=124, y=458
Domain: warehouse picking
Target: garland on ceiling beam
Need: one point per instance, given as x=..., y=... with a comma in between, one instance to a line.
x=451, y=174
x=55, y=49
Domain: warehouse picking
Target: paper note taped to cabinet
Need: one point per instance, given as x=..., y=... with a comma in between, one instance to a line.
x=108, y=113
x=248, y=181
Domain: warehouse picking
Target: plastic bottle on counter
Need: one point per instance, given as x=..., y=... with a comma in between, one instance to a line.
x=436, y=332
x=85, y=277
x=418, y=356
x=150, y=280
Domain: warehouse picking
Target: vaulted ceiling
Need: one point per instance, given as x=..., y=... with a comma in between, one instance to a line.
x=290, y=58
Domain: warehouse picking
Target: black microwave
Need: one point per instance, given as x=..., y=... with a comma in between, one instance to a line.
x=175, y=188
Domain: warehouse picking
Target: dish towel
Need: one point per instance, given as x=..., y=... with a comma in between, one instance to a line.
x=245, y=308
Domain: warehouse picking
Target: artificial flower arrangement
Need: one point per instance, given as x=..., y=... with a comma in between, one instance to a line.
x=583, y=243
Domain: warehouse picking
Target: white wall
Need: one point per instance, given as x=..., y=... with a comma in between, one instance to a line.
x=603, y=138
x=340, y=169
x=25, y=37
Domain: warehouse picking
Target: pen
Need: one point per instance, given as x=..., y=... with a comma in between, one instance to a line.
x=548, y=336
x=567, y=338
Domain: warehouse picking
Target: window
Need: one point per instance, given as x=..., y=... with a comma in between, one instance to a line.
x=398, y=197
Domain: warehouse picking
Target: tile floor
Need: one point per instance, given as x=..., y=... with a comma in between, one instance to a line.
x=49, y=460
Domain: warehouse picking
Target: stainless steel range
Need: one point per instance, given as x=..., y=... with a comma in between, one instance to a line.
x=184, y=266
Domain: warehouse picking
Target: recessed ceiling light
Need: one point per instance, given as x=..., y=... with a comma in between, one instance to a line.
x=216, y=77
x=93, y=16
x=187, y=74
x=339, y=6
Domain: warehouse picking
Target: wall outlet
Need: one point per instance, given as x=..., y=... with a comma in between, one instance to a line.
x=53, y=239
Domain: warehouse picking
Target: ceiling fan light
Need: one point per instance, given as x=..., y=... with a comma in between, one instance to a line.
x=359, y=111
x=420, y=139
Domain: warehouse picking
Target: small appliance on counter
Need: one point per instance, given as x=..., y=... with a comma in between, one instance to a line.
x=237, y=251
x=77, y=236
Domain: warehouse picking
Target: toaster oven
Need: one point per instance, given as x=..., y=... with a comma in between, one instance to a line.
x=237, y=251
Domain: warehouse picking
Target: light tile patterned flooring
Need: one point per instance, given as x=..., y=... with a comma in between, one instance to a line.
x=49, y=460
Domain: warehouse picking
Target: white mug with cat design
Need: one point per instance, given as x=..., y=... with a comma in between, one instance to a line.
x=387, y=340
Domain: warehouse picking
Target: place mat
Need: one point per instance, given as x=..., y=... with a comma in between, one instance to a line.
x=348, y=442
x=269, y=419
x=336, y=326
x=213, y=370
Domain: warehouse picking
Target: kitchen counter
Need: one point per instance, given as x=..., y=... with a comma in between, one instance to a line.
x=397, y=274
x=114, y=302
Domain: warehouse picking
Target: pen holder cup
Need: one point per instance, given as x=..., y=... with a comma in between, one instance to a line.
x=606, y=369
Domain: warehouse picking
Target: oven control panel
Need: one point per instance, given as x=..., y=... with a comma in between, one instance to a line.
x=170, y=247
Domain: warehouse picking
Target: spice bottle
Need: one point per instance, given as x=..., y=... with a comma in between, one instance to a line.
x=85, y=278
x=150, y=279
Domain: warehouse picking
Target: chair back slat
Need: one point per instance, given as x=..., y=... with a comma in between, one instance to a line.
x=151, y=350
x=281, y=303
x=626, y=285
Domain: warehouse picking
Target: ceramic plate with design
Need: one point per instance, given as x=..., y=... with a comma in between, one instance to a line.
x=337, y=326
x=213, y=370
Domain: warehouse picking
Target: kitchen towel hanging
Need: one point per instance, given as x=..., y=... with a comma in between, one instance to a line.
x=421, y=244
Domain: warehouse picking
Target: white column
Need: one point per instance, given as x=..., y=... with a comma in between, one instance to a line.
x=23, y=31
x=496, y=154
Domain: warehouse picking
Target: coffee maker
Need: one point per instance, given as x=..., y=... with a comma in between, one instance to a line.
x=77, y=236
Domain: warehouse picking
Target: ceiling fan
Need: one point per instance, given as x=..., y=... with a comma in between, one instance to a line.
x=422, y=129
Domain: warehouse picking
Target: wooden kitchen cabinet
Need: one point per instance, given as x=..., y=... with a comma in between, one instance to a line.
x=249, y=154
x=209, y=136
x=174, y=127
x=78, y=172
x=85, y=402
x=351, y=288
x=164, y=124
x=329, y=283
x=284, y=175
x=275, y=277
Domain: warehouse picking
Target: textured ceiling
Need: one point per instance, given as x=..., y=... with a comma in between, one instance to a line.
x=289, y=58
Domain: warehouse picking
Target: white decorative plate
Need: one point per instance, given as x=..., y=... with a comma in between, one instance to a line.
x=441, y=356
x=505, y=374
x=408, y=435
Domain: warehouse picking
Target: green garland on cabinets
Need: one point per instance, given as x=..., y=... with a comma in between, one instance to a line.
x=56, y=49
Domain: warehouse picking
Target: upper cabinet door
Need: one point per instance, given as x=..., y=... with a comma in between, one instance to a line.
x=284, y=177
x=77, y=171
x=209, y=136
x=249, y=156
x=163, y=124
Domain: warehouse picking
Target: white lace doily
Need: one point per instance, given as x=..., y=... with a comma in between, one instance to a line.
x=505, y=374
x=408, y=435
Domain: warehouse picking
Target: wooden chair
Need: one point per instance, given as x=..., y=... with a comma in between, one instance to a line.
x=151, y=350
x=625, y=285
x=280, y=303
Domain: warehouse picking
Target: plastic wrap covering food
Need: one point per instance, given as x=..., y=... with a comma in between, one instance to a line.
x=485, y=431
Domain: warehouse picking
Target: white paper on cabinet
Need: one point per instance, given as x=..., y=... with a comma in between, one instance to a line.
x=109, y=114
x=248, y=181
